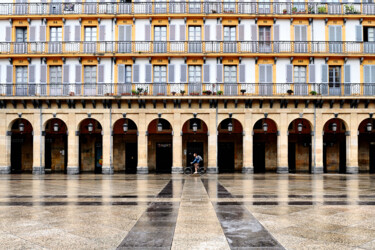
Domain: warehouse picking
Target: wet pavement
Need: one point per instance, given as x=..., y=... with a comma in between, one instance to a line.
x=227, y=211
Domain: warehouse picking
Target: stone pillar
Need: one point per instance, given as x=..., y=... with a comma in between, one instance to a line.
x=317, y=144
x=142, y=167
x=352, y=153
x=107, y=167
x=282, y=145
x=73, y=146
x=38, y=145
x=177, y=145
x=212, y=145
x=248, y=167
x=5, y=147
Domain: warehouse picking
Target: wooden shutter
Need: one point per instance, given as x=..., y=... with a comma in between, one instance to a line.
x=121, y=32
x=182, y=32
x=338, y=33
x=331, y=30
x=269, y=73
x=121, y=73
x=254, y=28
x=43, y=73
x=8, y=34
x=66, y=73
x=358, y=33
x=172, y=32
x=183, y=73
x=367, y=73
x=78, y=73
x=312, y=73
x=101, y=73
x=289, y=73
x=241, y=32
x=9, y=78
x=219, y=73
x=128, y=33
x=32, y=34
x=147, y=32
x=77, y=33
x=324, y=73
x=218, y=32
x=148, y=73
x=42, y=33
x=171, y=73
x=206, y=73
x=276, y=33
x=135, y=73
x=207, y=32
x=297, y=33
x=101, y=32
x=262, y=73
x=31, y=72
x=242, y=73
x=347, y=73
x=66, y=33
x=304, y=33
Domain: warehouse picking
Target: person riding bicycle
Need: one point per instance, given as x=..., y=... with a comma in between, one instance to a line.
x=197, y=160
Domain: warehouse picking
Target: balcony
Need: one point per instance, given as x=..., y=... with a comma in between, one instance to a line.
x=177, y=48
x=196, y=89
x=195, y=8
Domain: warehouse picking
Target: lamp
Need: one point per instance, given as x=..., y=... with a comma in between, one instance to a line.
x=299, y=127
x=21, y=127
x=369, y=127
x=230, y=127
x=55, y=127
x=125, y=127
x=90, y=127
x=195, y=127
x=265, y=127
x=334, y=127
x=160, y=127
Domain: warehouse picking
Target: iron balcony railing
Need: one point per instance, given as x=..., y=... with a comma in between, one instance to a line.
x=192, y=89
x=203, y=7
x=187, y=47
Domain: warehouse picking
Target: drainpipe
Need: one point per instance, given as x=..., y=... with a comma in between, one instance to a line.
x=40, y=142
x=217, y=139
x=314, y=169
x=110, y=141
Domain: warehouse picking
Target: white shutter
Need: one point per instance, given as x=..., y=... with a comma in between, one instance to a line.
x=101, y=73
x=183, y=73
x=242, y=73
x=347, y=73
x=289, y=73
x=312, y=73
x=324, y=73
x=219, y=73
x=43, y=73
x=171, y=73
x=172, y=32
x=135, y=73
x=66, y=73
x=78, y=73
x=32, y=73
x=182, y=32
x=207, y=32
x=121, y=73
x=66, y=33
x=218, y=32
x=148, y=73
x=206, y=73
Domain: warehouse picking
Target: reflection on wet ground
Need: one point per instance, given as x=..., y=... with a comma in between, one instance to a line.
x=226, y=211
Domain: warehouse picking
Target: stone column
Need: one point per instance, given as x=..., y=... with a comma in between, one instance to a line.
x=142, y=167
x=38, y=145
x=212, y=145
x=177, y=145
x=282, y=146
x=5, y=147
x=73, y=146
x=317, y=144
x=352, y=153
x=107, y=167
x=248, y=166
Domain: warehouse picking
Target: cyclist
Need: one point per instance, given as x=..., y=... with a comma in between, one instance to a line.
x=197, y=160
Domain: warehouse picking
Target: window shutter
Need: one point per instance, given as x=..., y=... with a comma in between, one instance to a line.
x=219, y=73
x=276, y=33
x=331, y=31
x=358, y=33
x=135, y=73
x=182, y=32
x=347, y=73
x=372, y=77
x=32, y=34
x=289, y=73
x=254, y=32
x=207, y=32
x=171, y=73
x=242, y=73
x=66, y=73
x=43, y=73
x=312, y=73
x=101, y=32
x=77, y=33
x=128, y=33
x=148, y=73
x=366, y=74
x=304, y=33
x=269, y=73
x=241, y=32
x=206, y=73
x=172, y=32
x=262, y=73
x=101, y=73
x=42, y=33
x=121, y=32
x=9, y=78
x=67, y=33
x=183, y=73
x=121, y=73
x=324, y=73
x=147, y=32
x=78, y=73
x=8, y=34
x=338, y=33
x=218, y=32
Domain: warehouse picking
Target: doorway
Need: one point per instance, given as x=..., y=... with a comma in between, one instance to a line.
x=372, y=157
x=194, y=147
x=163, y=157
x=259, y=156
x=16, y=154
x=98, y=157
x=226, y=157
x=131, y=156
x=292, y=157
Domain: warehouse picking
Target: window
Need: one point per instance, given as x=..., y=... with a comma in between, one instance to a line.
x=230, y=74
x=90, y=74
x=195, y=33
x=264, y=33
x=299, y=74
x=369, y=34
x=160, y=74
x=90, y=34
x=21, y=74
x=160, y=33
x=195, y=74
x=334, y=76
x=229, y=33
x=128, y=74
x=55, y=34
x=21, y=34
x=55, y=74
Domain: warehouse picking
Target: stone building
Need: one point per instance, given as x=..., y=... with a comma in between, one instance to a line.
x=138, y=87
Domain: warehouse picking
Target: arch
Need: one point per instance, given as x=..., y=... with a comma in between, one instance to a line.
x=362, y=127
x=236, y=126
x=187, y=127
x=131, y=126
x=14, y=126
x=306, y=126
x=258, y=126
x=83, y=126
x=366, y=146
x=152, y=127
x=21, y=155
x=342, y=127
x=48, y=126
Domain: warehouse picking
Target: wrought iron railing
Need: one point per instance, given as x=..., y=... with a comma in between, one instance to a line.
x=187, y=47
x=204, y=7
x=189, y=89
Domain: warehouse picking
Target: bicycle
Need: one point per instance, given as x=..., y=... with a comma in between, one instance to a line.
x=191, y=169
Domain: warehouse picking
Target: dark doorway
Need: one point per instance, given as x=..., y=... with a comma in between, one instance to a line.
x=226, y=157
x=372, y=157
x=16, y=153
x=48, y=154
x=193, y=147
x=49, y=144
x=292, y=157
x=98, y=157
x=131, y=158
x=259, y=157
x=163, y=157
x=342, y=156
x=325, y=157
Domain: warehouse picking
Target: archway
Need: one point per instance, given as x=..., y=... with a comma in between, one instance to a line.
x=21, y=146
x=90, y=146
x=160, y=150
x=299, y=146
x=55, y=147
x=265, y=146
x=334, y=146
x=230, y=146
x=194, y=140
x=125, y=146
x=366, y=146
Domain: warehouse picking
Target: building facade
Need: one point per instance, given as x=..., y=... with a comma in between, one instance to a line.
x=138, y=87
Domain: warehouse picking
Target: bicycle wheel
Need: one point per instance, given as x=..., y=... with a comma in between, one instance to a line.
x=188, y=171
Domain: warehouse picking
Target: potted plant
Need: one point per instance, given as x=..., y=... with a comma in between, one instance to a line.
x=159, y=94
x=173, y=92
x=311, y=10
x=71, y=94
x=125, y=93
x=243, y=91
x=289, y=91
x=219, y=92
x=349, y=9
x=134, y=92
x=294, y=10
x=145, y=92
x=214, y=11
x=285, y=11
x=207, y=92
x=322, y=10
x=182, y=92
x=313, y=92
